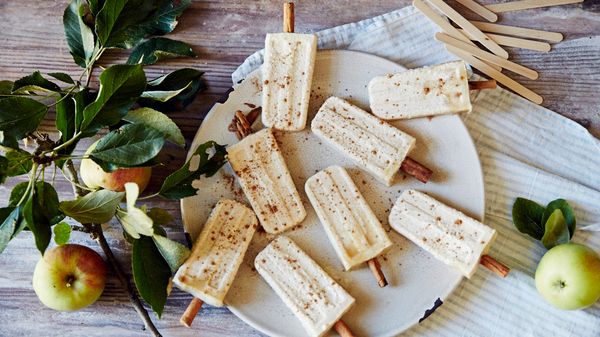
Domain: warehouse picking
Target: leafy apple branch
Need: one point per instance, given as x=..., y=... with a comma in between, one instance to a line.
x=134, y=110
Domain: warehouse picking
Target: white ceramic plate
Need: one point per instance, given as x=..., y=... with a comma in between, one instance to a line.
x=416, y=280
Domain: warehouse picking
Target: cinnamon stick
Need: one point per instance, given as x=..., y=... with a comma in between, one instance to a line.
x=190, y=312
x=480, y=85
x=377, y=272
x=494, y=265
x=342, y=329
x=288, y=17
x=415, y=169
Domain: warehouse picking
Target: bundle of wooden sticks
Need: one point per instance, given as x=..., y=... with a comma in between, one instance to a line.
x=479, y=42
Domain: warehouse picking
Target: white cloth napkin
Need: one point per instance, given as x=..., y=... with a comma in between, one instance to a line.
x=525, y=150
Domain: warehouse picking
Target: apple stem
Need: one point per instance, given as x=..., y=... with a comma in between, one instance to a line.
x=135, y=300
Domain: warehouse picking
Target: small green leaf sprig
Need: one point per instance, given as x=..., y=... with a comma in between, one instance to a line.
x=552, y=225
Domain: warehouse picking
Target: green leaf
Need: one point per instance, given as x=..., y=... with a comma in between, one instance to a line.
x=34, y=83
x=80, y=37
x=158, y=121
x=62, y=77
x=527, y=217
x=6, y=88
x=19, y=116
x=567, y=212
x=129, y=146
x=134, y=220
x=95, y=207
x=65, y=117
x=41, y=212
x=120, y=87
x=164, y=20
x=174, y=91
x=556, y=230
x=107, y=18
x=210, y=156
x=95, y=6
x=159, y=216
x=19, y=162
x=10, y=217
x=150, y=272
x=62, y=233
x=17, y=193
x=173, y=252
x=159, y=48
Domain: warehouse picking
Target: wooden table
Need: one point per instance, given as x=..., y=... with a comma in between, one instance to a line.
x=223, y=34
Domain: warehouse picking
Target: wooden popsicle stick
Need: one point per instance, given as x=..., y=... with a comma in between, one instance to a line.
x=377, y=272
x=288, y=17
x=190, y=312
x=481, y=85
x=479, y=9
x=518, y=31
x=443, y=24
x=494, y=265
x=528, y=4
x=516, y=42
x=485, y=56
x=469, y=27
x=342, y=329
x=498, y=76
x=415, y=169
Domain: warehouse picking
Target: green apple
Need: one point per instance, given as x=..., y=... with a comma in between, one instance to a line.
x=568, y=276
x=69, y=277
x=93, y=175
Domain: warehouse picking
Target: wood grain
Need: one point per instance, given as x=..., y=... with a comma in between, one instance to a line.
x=224, y=33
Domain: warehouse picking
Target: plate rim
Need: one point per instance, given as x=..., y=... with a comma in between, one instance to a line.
x=332, y=52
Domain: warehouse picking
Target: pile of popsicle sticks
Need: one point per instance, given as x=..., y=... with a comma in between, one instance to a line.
x=492, y=58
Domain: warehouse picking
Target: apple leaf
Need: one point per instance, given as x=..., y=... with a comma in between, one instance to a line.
x=41, y=212
x=129, y=146
x=134, y=220
x=151, y=273
x=17, y=193
x=80, y=37
x=19, y=162
x=18, y=117
x=62, y=233
x=66, y=78
x=557, y=231
x=5, y=88
x=95, y=207
x=173, y=252
x=158, y=48
x=107, y=18
x=186, y=82
x=159, y=216
x=158, y=121
x=567, y=213
x=209, y=157
x=34, y=83
x=120, y=87
x=10, y=217
x=527, y=217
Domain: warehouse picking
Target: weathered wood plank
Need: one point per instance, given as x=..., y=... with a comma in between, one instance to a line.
x=224, y=33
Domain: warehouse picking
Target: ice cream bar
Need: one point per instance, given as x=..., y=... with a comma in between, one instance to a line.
x=377, y=146
x=429, y=91
x=218, y=252
x=312, y=295
x=352, y=227
x=266, y=181
x=287, y=77
x=446, y=233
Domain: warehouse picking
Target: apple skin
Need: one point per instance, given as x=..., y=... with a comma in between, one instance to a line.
x=93, y=175
x=69, y=277
x=568, y=276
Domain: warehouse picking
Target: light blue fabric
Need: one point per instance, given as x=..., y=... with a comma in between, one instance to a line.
x=525, y=150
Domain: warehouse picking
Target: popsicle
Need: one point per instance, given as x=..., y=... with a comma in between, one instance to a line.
x=351, y=226
x=446, y=233
x=216, y=257
x=313, y=296
x=428, y=91
x=377, y=146
x=287, y=72
x=266, y=181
